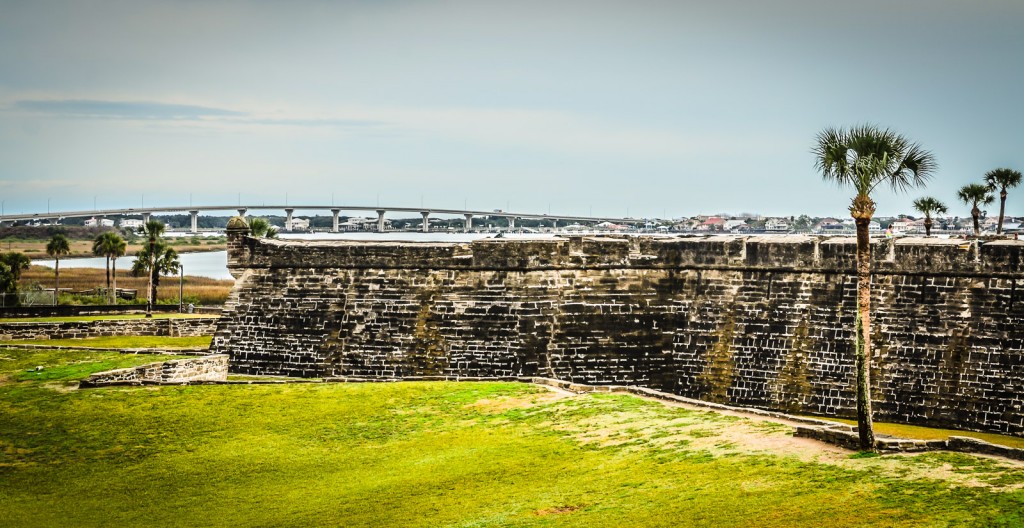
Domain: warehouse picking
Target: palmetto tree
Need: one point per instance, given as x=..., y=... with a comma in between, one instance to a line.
x=152, y=230
x=1002, y=179
x=975, y=194
x=113, y=247
x=927, y=205
x=104, y=245
x=57, y=247
x=259, y=227
x=865, y=157
x=162, y=261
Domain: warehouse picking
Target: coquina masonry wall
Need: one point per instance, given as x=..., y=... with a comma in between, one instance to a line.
x=763, y=322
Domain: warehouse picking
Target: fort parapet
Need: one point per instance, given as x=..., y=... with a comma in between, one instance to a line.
x=755, y=321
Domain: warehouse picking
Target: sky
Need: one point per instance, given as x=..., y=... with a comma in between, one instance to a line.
x=606, y=108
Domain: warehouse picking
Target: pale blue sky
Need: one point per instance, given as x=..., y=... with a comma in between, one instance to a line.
x=655, y=108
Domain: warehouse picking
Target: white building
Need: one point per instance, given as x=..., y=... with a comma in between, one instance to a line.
x=130, y=223
x=102, y=222
x=776, y=225
x=298, y=224
x=734, y=225
x=903, y=226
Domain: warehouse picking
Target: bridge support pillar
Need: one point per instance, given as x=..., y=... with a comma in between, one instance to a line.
x=334, y=224
x=469, y=221
x=288, y=218
x=426, y=224
x=195, y=221
x=380, y=220
x=242, y=211
x=145, y=217
x=511, y=222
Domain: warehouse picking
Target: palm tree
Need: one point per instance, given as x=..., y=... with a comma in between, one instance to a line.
x=865, y=157
x=259, y=227
x=57, y=247
x=115, y=247
x=926, y=206
x=975, y=194
x=1002, y=179
x=152, y=230
x=102, y=246
x=162, y=261
x=17, y=261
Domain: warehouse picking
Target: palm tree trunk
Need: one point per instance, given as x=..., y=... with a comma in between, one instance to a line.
x=154, y=283
x=152, y=294
x=976, y=213
x=862, y=348
x=113, y=291
x=108, y=272
x=927, y=226
x=56, y=280
x=1002, y=209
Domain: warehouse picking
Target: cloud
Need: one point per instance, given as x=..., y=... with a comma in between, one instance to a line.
x=141, y=110
x=156, y=111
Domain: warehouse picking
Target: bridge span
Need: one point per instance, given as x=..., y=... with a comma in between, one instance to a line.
x=289, y=210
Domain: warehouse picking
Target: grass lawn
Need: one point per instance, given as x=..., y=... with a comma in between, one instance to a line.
x=115, y=342
x=441, y=454
x=73, y=318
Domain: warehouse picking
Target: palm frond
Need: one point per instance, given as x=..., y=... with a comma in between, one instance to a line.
x=866, y=156
x=975, y=194
x=1002, y=179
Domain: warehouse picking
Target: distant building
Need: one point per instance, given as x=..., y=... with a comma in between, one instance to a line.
x=735, y=225
x=776, y=225
x=902, y=227
x=130, y=223
x=102, y=222
x=713, y=223
x=298, y=224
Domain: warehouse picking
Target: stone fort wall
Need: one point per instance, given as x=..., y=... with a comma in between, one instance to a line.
x=764, y=322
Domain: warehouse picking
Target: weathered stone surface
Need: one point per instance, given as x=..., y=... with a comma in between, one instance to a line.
x=173, y=372
x=171, y=327
x=756, y=322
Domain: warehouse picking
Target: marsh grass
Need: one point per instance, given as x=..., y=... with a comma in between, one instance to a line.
x=205, y=290
x=36, y=248
x=426, y=454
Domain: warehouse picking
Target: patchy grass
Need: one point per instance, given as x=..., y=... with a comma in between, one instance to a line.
x=66, y=366
x=115, y=317
x=439, y=454
x=118, y=342
x=930, y=433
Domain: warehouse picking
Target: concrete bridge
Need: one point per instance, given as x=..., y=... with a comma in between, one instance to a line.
x=289, y=210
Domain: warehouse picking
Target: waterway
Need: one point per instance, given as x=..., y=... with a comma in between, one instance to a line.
x=214, y=264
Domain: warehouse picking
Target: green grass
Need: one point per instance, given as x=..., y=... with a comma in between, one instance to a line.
x=97, y=318
x=931, y=433
x=117, y=342
x=428, y=454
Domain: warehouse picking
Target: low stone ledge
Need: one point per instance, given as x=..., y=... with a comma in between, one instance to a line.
x=966, y=444
x=191, y=351
x=846, y=437
x=169, y=327
x=651, y=393
x=173, y=372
